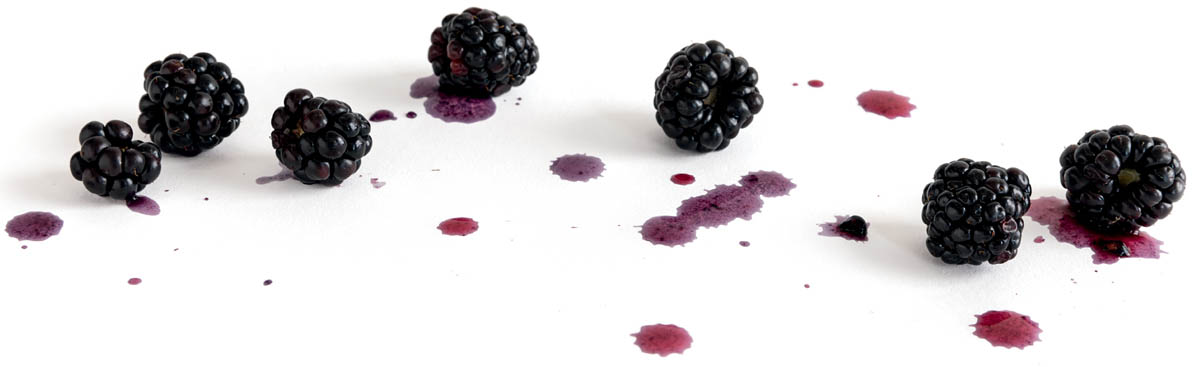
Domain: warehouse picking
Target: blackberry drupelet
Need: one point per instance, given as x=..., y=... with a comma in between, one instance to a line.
x=321, y=140
x=973, y=212
x=855, y=226
x=705, y=96
x=1118, y=181
x=111, y=163
x=481, y=53
x=191, y=103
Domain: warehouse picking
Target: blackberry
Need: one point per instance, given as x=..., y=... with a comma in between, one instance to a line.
x=705, y=96
x=110, y=163
x=973, y=212
x=1118, y=181
x=481, y=53
x=321, y=140
x=855, y=226
x=191, y=103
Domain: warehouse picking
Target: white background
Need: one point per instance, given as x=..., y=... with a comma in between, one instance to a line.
x=363, y=278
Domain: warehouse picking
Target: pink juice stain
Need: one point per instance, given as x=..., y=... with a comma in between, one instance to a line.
x=1006, y=329
x=1056, y=214
x=382, y=115
x=718, y=207
x=885, y=103
x=1039, y=239
x=830, y=229
x=283, y=175
x=662, y=339
x=134, y=281
x=458, y=226
x=34, y=226
x=577, y=167
x=816, y=83
x=411, y=115
x=683, y=179
x=377, y=183
x=143, y=205
x=449, y=107
x=744, y=243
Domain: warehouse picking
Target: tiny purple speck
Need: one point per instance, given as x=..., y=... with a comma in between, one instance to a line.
x=744, y=243
x=411, y=115
x=830, y=229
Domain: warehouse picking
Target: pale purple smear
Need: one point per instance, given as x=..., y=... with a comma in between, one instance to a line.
x=34, y=226
x=830, y=229
x=449, y=107
x=377, y=183
x=143, y=205
x=1056, y=214
x=283, y=175
x=577, y=167
x=719, y=206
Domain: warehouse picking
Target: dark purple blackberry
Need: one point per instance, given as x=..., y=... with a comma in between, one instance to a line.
x=111, y=163
x=706, y=96
x=1118, y=181
x=481, y=53
x=191, y=103
x=320, y=140
x=855, y=226
x=973, y=212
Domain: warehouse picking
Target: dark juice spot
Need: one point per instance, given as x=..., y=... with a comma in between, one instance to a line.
x=719, y=206
x=268, y=282
x=1106, y=248
x=382, y=115
x=143, y=205
x=458, y=226
x=411, y=115
x=1006, y=329
x=577, y=167
x=34, y=226
x=662, y=339
x=885, y=103
x=816, y=83
x=134, y=281
x=841, y=227
x=744, y=243
x=449, y=107
x=683, y=179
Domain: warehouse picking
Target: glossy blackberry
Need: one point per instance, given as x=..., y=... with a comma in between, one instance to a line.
x=321, y=140
x=705, y=96
x=973, y=212
x=110, y=163
x=191, y=103
x=1118, y=181
x=854, y=226
x=481, y=53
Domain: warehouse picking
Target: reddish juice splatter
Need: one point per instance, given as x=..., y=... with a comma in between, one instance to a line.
x=719, y=206
x=283, y=175
x=33, y=226
x=806, y=286
x=683, y=179
x=382, y=115
x=458, y=226
x=795, y=84
x=205, y=199
x=1056, y=214
x=268, y=282
x=1006, y=329
x=411, y=115
x=143, y=205
x=744, y=243
x=816, y=83
x=134, y=281
x=830, y=229
x=1039, y=239
x=577, y=167
x=377, y=183
x=449, y=107
x=662, y=339
x=885, y=103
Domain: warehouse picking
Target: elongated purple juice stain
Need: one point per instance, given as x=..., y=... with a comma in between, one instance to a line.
x=34, y=226
x=382, y=115
x=721, y=205
x=577, y=167
x=144, y=205
x=449, y=107
x=830, y=229
x=1056, y=214
x=283, y=175
x=1006, y=329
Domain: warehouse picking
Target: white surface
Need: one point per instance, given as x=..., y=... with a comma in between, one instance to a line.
x=363, y=278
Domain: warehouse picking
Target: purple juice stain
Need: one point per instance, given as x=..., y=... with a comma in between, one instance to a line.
x=34, y=226
x=411, y=115
x=718, y=207
x=377, y=183
x=662, y=339
x=143, y=205
x=268, y=282
x=744, y=243
x=283, y=175
x=683, y=179
x=383, y=115
x=831, y=229
x=449, y=107
x=577, y=167
x=461, y=226
x=1107, y=248
x=134, y=281
x=1006, y=329
x=885, y=103
x=1039, y=239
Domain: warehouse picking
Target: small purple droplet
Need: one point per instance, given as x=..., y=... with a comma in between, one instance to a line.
x=382, y=115
x=411, y=115
x=143, y=205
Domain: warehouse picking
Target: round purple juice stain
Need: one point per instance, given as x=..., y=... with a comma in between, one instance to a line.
x=577, y=167
x=449, y=107
x=1039, y=239
x=831, y=229
x=377, y=183
x=683, y=179
x=283, y=175
x=383, y=115
x=143, y=205
x=1107, y=248
x=662, y=339
x=34, y=226
x=411, y=115
x=719, y=206
x=1006, y=329
x=461, y=226
x=744, y=243
x=885, y=103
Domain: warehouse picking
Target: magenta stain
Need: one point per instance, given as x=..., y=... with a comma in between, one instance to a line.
x=34, y=226
x=683, y=179
x=377, y=183
x=744, y=243
x=205, y=199
x=662, y=339
x=1039, y=239
x=458, y=226
x=795, y=84
x=382, y=115
x=268, y=282
x=806, y=286
x=718, y=207
x=885, y=103
x=134, y=281
x=449, y=107
x=816, y=83
x=411, y=115
x=830, y=229
x=283, y=175
x=1056, y=214
x=577, y=167
x=1006, y=329
x=24, y=247
x=143, y=205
